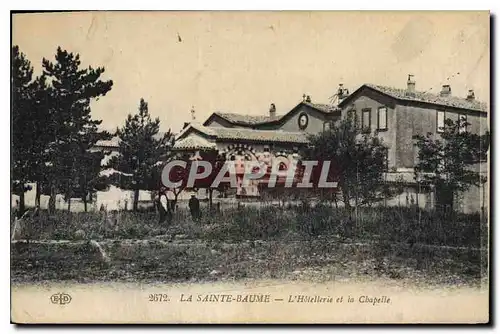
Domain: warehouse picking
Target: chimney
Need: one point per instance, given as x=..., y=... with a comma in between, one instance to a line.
x=445, y=91
x=342, y=93
x=272, y=111
x=470, y=95
x=308, y=98
x=410, y=86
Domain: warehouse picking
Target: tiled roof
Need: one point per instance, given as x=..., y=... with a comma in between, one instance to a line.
x=320, y=106
x=451, y=101
x=246, y=119
x=260, y=135
x=193, y=142
x=263, y=119
x=197, y=126
x=113, y=142
x=221, y=133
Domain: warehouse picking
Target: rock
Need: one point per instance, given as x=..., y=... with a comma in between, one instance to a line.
x=103, y=256
x=20, y=226
x=214, y=272
x=159, y=235
x=214, y=252
x=17, y=230
x=181, y=236
x=79, y=235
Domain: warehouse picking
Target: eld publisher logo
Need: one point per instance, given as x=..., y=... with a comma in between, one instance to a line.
x=60, y=298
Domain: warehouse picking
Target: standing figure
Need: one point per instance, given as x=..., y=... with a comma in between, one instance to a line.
x=194, y=207
x=163, y=207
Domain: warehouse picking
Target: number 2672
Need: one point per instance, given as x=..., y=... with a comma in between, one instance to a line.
x=158, y=297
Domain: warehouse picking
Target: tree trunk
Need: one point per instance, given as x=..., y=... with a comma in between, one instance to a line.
x=356, y=205
x=136, y=199
x=347, y=200
x=85, y=202
x=210, y=202
x=483, y=203
x=52, y=199
x=21, y=202
x=417, y=195
x=452, y=203
x=174, y=201
x=69, y=204
x=38, y=194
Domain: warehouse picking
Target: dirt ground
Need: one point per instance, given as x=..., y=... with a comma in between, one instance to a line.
x=181, y=261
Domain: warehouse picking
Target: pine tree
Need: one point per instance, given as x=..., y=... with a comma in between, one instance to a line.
x=23, y=122
x=72, y=131
x=88, y=175
x=141, y=152
x=41, y=121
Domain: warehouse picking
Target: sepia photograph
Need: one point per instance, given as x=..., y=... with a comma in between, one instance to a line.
x=257, y=167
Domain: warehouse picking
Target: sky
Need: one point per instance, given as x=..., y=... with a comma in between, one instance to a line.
x=242, y=62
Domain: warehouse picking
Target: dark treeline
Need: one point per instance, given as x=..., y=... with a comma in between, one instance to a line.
x=54, y=131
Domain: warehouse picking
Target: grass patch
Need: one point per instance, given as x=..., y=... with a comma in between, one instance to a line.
x=322, y=260
x=395, y=225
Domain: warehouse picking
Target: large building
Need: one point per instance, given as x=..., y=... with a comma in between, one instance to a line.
x=395, y=114
x=263, y=138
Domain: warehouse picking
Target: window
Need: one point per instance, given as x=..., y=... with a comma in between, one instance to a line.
x=440, y=121
x=303, y=120
x=382, y=119
x=463, y=124
x=366, y=120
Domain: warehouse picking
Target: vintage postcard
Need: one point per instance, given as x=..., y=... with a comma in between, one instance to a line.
x=250, y=167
